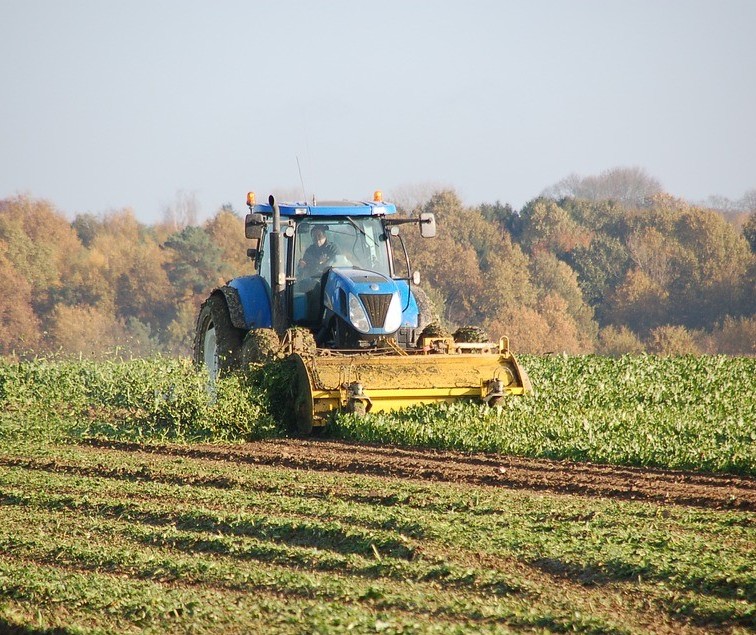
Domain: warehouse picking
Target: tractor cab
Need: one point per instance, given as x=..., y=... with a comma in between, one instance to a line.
x=320, y=244
x=334, y=268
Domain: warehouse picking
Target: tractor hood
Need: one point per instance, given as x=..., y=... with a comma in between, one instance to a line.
x=369, y=301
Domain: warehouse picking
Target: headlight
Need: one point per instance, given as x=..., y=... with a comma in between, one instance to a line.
x=357, y=315
x=393, y=315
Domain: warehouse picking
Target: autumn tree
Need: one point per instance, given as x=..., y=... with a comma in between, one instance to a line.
x=554, y=280
x=546, y=226
x=716, y=258
x=136, y=282
x=672, y=339
x=41, y=245
x=735, y=336
x=19, y=325
x=638, y=303
x=615, y=341
x=90, y=331
x=226, y=231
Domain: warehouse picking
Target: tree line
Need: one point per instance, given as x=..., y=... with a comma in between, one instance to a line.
x=565, y=273
x=581, y=275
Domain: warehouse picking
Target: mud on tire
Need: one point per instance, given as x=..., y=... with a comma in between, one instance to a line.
x=471, y=334
x=260, y=346
x=217, y=342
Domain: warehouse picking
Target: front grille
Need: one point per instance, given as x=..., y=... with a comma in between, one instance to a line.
x=377, y=306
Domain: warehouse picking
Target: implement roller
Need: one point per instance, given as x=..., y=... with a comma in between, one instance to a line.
x=326, y=294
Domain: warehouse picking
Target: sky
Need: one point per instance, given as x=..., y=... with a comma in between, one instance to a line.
x=136, y=104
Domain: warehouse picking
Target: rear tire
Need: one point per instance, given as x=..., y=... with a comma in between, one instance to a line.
x=425, y=309
x=217, y=342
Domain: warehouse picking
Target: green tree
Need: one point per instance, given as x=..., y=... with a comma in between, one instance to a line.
x=600, y=268
x=749, y=230
x=196, y=264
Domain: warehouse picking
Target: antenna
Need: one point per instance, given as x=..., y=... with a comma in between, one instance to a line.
x=301, y=180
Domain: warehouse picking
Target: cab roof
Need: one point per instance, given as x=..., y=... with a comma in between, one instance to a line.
x=330, y=208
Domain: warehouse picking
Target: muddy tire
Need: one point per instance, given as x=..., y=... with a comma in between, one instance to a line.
x=300, y=340
x=217, y=342
x=260, y=346
x=471, y=334
x=425, y=309
x=434, y=329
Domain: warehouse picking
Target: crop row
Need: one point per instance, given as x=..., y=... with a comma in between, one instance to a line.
x=679, y=412
x=675, y=412
x=107, y=540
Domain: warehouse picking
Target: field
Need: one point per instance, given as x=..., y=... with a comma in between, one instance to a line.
x=618, y=499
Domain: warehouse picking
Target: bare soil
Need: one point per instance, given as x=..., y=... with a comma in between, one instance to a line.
x=711, y=491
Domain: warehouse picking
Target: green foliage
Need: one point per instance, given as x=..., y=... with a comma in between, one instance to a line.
x=600, y=267
x=680, y=412
x=159, y=538
x=137, y=399
x=749, y=231
x=677, y=412
x=196, y=264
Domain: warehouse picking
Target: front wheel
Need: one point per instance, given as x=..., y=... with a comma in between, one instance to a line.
x=217, y=342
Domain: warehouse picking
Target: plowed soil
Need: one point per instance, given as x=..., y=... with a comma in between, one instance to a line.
x=628, y=483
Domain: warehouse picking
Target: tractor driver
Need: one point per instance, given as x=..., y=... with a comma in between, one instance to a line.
x=318, y=255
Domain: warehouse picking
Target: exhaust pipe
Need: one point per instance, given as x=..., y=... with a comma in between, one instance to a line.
x=277, y=273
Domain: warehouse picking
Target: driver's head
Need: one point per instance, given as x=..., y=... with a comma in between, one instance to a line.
x=318, y=235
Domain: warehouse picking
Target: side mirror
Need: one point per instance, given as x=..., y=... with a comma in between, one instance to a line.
x=252, y=254
x=427, y=225
x=254, y=224
x=416, y=278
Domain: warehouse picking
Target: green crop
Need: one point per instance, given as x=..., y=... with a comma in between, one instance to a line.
x=155, y=537
x=677, y=412
x=137, y=399
x=123, y=540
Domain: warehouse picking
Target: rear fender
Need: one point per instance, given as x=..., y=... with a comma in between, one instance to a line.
x=248, y=299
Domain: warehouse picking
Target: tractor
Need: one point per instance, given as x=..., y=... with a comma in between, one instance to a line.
x=328, y=294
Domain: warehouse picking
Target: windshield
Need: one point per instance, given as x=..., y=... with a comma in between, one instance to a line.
x=341, y=242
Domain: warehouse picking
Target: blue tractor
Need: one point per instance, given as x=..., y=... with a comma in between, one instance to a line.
x=327, y=293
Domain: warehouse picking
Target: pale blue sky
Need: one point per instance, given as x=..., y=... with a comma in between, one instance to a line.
x=112, y=104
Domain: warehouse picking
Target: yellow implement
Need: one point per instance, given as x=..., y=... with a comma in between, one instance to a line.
x=375, y=382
